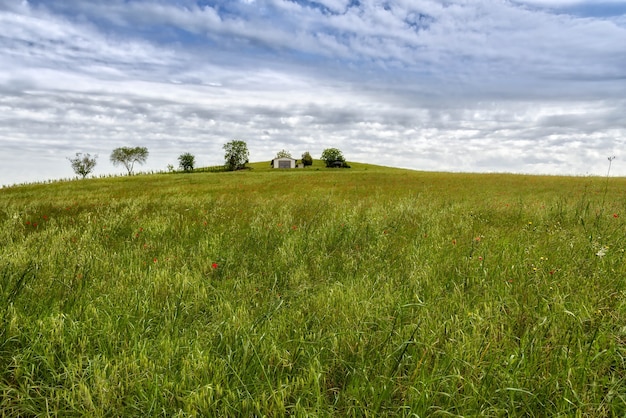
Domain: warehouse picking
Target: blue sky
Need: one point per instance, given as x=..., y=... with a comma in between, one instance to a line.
x=524, y=86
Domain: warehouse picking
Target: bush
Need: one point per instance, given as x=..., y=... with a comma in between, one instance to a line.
x=333, y=157
x=186, y=161
x=128, y=156
x=283, y=154
x=83, y=164
x=236, y=155
x=307, y=160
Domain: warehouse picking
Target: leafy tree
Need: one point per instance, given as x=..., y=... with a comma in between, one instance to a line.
x=186, y=161
x=236, y=155
x=283, y=154
x=307, y=159
x=128, y=156
x=332, y=156
x=83, y=164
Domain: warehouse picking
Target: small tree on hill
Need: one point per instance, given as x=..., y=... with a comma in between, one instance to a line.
x=307, y=160
x=83, y=164
x=333, y=157
x=128, y=156
x=236, y=156
x=283, y=154
x=186, y=161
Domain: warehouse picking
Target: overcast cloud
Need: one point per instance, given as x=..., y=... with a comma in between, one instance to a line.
x=525, y=86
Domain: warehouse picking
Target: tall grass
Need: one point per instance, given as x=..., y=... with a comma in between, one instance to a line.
x=365, y=292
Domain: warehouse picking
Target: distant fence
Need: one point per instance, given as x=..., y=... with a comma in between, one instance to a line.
x=211, y=169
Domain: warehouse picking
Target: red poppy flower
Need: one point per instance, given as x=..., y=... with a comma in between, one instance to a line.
x=214, y=265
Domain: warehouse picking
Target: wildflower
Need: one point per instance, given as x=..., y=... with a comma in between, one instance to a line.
x=214, y=266
x=552, y=271
x=155, y=260
x=615, y=215
x=601, y=252
x=480, y=258
x=45, y=218
x=294, y=227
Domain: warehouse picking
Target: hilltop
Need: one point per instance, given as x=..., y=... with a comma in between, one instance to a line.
x=332, y=292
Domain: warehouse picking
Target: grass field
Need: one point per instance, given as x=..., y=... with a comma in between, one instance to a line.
x=317, y=292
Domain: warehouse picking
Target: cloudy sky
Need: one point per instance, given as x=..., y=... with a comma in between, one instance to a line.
x=524, y=86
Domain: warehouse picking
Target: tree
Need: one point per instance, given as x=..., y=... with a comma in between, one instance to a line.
x=307, y=159
x=236, y=155
x=186, y=161
x=333, y=157
x=128, y=156
x=283, y=154
x=83, y=164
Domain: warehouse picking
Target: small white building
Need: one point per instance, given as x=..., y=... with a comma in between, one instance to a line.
x=284, y=162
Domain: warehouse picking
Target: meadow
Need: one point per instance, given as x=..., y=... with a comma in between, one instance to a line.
x=369, y=291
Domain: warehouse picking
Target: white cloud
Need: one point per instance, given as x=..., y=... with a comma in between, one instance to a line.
x=460, y=86
x=567, y=3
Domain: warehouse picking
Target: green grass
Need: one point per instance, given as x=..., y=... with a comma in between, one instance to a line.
x=317, y=292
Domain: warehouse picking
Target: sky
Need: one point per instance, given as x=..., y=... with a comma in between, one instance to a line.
x=519, y=86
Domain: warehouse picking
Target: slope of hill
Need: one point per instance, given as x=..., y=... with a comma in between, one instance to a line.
x=367, y=291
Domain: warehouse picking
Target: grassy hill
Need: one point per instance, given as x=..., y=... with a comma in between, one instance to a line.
x=368, y=291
